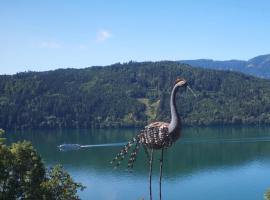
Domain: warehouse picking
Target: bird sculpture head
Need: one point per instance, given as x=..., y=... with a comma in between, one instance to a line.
x=180, y=82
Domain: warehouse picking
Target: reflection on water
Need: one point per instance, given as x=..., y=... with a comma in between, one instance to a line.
x=206, y=163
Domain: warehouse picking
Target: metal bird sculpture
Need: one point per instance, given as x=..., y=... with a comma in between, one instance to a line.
x=155, y=136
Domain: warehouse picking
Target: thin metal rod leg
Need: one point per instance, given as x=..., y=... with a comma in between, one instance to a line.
x=160, y=172
x=150, y=173
x=146, y=152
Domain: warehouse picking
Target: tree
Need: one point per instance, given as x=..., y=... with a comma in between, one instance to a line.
x=59, y=185
x=267, y=195
x=27, y=172
x=1, y=133
x=112, y=96
x=23, y=175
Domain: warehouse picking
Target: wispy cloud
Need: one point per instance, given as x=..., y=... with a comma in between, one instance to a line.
x=83, y=46
x=50, y=45
x=103, y=35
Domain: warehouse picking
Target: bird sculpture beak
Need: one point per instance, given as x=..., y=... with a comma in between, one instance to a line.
x=189, y=88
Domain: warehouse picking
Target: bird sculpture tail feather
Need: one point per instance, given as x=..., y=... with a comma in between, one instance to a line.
x=133, y=155
x=121, y=155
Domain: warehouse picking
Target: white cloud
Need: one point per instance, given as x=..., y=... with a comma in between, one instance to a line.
x=103, y=35
x=50, y=45
x=83, y=46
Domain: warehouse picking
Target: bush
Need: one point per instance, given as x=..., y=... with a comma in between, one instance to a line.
x=267, y=195
x=23, y=175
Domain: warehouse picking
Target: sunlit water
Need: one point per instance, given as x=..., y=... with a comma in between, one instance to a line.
x=205, y=164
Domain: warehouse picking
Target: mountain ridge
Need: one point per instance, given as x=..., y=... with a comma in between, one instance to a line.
x=258, y=66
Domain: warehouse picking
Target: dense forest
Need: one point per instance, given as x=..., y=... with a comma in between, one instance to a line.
x=130, y=94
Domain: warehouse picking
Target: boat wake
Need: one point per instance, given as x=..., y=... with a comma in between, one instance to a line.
x=72, y=147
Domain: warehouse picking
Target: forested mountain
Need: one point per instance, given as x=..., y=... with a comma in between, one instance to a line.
x=258, y=66
x=130, y=94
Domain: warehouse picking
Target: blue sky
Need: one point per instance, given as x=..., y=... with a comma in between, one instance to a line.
x=45, y=35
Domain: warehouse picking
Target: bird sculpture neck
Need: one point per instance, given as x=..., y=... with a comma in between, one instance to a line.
x=175, y=124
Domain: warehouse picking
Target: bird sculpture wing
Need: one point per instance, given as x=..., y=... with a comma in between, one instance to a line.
x=156, y=135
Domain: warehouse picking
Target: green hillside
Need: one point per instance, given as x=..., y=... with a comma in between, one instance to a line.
x=130, y=94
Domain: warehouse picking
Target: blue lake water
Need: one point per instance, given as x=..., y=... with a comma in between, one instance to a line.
x=205, y=164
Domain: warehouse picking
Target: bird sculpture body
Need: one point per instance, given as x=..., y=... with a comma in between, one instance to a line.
x=155, y=136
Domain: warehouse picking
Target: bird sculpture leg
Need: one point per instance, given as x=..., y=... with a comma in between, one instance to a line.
x=146, y=152
x=150, y=173
x=160, y=172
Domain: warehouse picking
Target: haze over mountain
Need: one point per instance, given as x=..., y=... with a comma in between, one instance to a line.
x=257, y=66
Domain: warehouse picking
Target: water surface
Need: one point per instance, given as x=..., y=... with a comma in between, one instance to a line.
x=205, y=164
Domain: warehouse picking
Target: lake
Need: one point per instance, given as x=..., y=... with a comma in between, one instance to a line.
x=205, y=164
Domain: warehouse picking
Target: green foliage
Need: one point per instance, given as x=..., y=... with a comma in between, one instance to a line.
x=267, y=195
x=23, y=176
x=59, y=185
x=130, y=94
x=21, y=171
x=1, y=133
